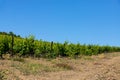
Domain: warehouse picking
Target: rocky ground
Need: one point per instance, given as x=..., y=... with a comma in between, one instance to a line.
x=100, y=67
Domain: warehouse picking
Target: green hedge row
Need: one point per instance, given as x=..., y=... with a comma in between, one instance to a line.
x=25, y=47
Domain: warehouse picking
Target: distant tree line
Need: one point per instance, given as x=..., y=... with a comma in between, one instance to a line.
x=9, y=33
x=25, y=47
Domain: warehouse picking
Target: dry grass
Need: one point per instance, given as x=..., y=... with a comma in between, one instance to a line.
x=101, y=67
x=3, y=75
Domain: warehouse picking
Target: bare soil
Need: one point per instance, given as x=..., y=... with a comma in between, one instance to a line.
x=100, y=67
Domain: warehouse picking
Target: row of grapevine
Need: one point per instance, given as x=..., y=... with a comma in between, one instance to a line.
x=38, y=48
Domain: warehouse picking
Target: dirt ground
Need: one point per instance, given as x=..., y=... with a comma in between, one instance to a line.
x=100, y=67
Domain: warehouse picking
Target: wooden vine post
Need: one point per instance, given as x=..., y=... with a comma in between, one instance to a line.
x=52, y=47
x=12, y=44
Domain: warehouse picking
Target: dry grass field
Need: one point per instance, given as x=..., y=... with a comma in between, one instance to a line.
x=100, y=67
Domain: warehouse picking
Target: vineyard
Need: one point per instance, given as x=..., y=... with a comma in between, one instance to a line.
x=25, y=47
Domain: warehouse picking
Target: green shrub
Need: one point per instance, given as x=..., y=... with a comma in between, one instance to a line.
x=38, y=48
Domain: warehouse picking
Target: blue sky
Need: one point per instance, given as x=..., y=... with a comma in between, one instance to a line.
x=83, y=21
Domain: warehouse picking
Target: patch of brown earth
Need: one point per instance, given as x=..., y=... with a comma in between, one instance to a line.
x=101, y=67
